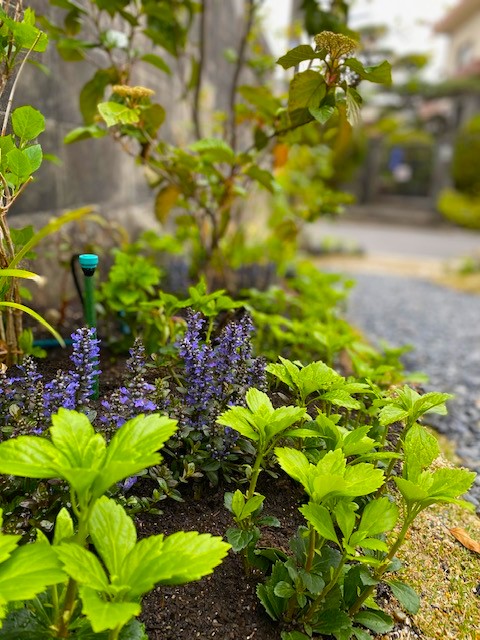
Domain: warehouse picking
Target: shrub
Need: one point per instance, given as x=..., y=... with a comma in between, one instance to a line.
x=461, y=208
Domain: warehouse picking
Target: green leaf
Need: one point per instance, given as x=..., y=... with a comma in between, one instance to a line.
x=420, y=450
x=391, y=413
x=251, y=506
x=379, y=516
x=63, y=527
x=93, y=92
x=345, y=515
x=283, y=589
x=238, y=502
x=450, y=483
x=307, y=89
x=84, y=133
x=29, y=456
x=320, y=519
x=406, y=596
x=73, y=435
x=362, y=479
x=82, y=565
x=214, y=150
x=138, y=566
x=35, y=156
x=354, y=102
x=263, y=177
x=294, y=463
x=376, y=621
x=104, y=615
x=18, y=163
x=134, y=447
x=113, y=533
x=157, y=62
x=187, y=556
x=239, y=418
x=7, y=545
x=27, y=123
x=28, y=571
x=239, y=539
x=294, y=635
x=297, y=55
x=410, y=491
x=34, y=314
x=380, y=73
x=114, y=113
x=322, y=114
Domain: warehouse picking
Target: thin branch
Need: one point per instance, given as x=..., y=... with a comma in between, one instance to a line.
x=242, y=51
x=201, y=64
x=14, y=86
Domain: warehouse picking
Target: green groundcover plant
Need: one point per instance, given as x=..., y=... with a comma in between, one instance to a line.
x=92, y=575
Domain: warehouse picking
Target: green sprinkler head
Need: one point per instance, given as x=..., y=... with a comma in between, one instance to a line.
x=88, y=262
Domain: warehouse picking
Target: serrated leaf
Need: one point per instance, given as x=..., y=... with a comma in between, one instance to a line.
x=187, y=556
x=294, y=463
x=391, y=413
x=239, y=418
x=75, y=438
x=134, y=447
x=238, y=538
x=420, y=450
x=322, y=114
x=28, y=571
x=410, y=491
x=113, y=533
x=379, y=516
x=7, y=544
x=297, y=55
x=29, y=456
x=104, y=615
x=380, y=73
x=406, y=596
x=63, y=527
x=27, y=123
x=307, y=89
x=115, y=113
x=320, y=519
x=82, y=565
x=238, y=502
x=283, y=589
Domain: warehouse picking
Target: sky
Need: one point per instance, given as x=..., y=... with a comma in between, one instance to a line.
x=410, y=23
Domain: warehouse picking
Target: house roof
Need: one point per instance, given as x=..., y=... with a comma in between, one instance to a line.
x=457, y=16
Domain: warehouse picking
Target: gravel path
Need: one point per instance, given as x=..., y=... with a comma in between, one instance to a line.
x=443, y=326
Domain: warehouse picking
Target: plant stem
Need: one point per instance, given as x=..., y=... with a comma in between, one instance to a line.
x=378, y=573
x=311, y=548
x=325, y=591
x=255, y=473
x=201, y=62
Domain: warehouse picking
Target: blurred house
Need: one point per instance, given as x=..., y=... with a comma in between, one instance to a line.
x=461, y=85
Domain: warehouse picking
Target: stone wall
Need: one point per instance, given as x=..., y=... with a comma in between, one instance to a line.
x=97, y=172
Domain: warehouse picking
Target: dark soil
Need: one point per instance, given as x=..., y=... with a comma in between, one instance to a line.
x=223, y=605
